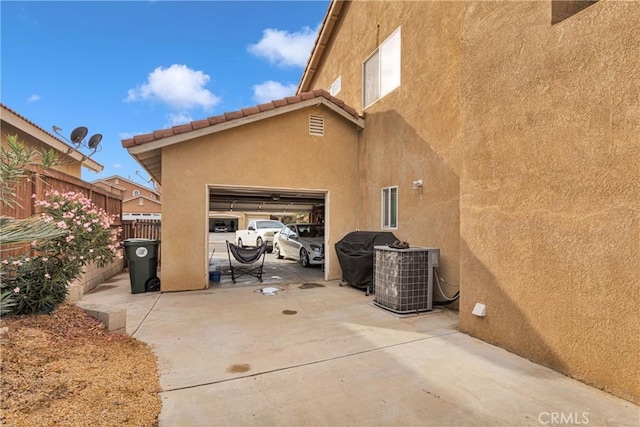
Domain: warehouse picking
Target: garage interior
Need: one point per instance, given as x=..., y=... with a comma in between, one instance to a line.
x=235, y=206
x=255, y=201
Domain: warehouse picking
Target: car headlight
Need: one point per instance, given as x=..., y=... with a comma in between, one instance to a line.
x=316, y=248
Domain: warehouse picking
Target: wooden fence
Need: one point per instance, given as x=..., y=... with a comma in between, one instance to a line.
x=38, y=183
x=141, y=229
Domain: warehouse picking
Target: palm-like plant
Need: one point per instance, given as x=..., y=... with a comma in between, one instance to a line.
x=15, y=160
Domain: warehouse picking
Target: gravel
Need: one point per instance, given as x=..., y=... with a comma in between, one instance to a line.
x=66, y=369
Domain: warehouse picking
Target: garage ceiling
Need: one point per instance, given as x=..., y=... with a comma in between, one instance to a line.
x=263, y=200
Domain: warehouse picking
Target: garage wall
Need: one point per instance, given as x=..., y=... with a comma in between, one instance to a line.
x=276, y=152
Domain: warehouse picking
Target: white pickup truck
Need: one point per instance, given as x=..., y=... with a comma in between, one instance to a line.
x=258, y=232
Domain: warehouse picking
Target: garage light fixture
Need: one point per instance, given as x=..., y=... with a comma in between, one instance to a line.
x=275, y=196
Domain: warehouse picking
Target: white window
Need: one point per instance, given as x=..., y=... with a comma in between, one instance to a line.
x=336, y=86
x=390, y=207
x=381, y=70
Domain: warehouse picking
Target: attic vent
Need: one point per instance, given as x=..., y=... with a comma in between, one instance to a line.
x=316, y=125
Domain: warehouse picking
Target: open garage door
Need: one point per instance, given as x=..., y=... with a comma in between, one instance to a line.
x=239, y=205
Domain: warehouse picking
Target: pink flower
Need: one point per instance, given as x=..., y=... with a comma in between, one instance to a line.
x=48, y=276
x=62, y=224
x=16, y=290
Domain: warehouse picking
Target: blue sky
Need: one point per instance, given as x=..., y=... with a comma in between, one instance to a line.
x=123, y=68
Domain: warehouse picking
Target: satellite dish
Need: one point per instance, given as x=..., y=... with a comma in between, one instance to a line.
x=78, y=134
x=94, y=141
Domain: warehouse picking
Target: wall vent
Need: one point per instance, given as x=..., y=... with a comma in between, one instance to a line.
x=316, y=125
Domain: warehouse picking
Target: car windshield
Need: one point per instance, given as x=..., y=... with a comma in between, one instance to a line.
x=311, y=230
x=269, y=224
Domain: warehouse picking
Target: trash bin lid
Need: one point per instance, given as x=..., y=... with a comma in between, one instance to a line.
x=132, y=242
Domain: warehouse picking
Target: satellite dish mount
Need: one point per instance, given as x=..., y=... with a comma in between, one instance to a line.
x=76, y=139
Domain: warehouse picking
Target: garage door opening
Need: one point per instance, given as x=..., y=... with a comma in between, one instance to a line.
x=236, y=208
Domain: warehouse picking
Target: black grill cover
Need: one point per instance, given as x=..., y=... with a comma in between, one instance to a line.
x=355, y=254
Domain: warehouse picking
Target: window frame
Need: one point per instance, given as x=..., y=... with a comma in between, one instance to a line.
x=396, y=56
x=389, y=208
x=336, y=83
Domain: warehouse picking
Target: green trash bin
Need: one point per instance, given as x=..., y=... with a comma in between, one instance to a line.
x=142, y=257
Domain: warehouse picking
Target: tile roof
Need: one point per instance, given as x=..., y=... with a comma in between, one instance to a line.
x=35, y=125
x=235, y=115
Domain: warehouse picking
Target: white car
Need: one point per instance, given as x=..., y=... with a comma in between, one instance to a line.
x=302, y=242
x=258, y=231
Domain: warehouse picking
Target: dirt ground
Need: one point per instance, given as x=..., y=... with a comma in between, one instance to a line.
x=66, y=369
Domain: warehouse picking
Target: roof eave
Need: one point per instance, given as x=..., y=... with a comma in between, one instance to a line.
x=317, y=53
x=175, y=139
x=48, y=139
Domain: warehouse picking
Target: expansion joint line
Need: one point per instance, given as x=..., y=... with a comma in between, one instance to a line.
x=147, y=315
x=330, y=359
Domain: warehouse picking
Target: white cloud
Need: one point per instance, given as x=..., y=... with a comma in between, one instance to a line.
x=33, y=98
x=283, y=48
x=270, y=90
x=117, y=166
x=178, y=119
x=178, y=86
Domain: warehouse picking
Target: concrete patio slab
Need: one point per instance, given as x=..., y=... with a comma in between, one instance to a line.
x=323, y=355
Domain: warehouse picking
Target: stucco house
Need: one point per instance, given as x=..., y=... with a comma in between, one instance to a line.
x=138, y=201
x=507, y=134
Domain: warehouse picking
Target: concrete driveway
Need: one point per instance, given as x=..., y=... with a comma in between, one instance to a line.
x=318, y=354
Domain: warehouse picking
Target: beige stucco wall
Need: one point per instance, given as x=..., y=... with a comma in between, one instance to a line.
x=413, y=132
x=527, y=137
x=65, y=164
x=129, y=187
x=148, y=206
x=276, y=153
x=550, y=188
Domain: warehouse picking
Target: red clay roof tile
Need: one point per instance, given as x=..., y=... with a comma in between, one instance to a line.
x=199, y=124
x=250, y=111
x=234, y=115
x=144, y=138
x=182, y=128
x=266, y=107
x=162, y=133
x=217, y=119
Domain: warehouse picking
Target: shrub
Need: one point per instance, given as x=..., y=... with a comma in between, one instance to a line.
x=38, y=282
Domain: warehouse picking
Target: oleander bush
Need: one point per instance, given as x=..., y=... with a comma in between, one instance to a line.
x=39, y=281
